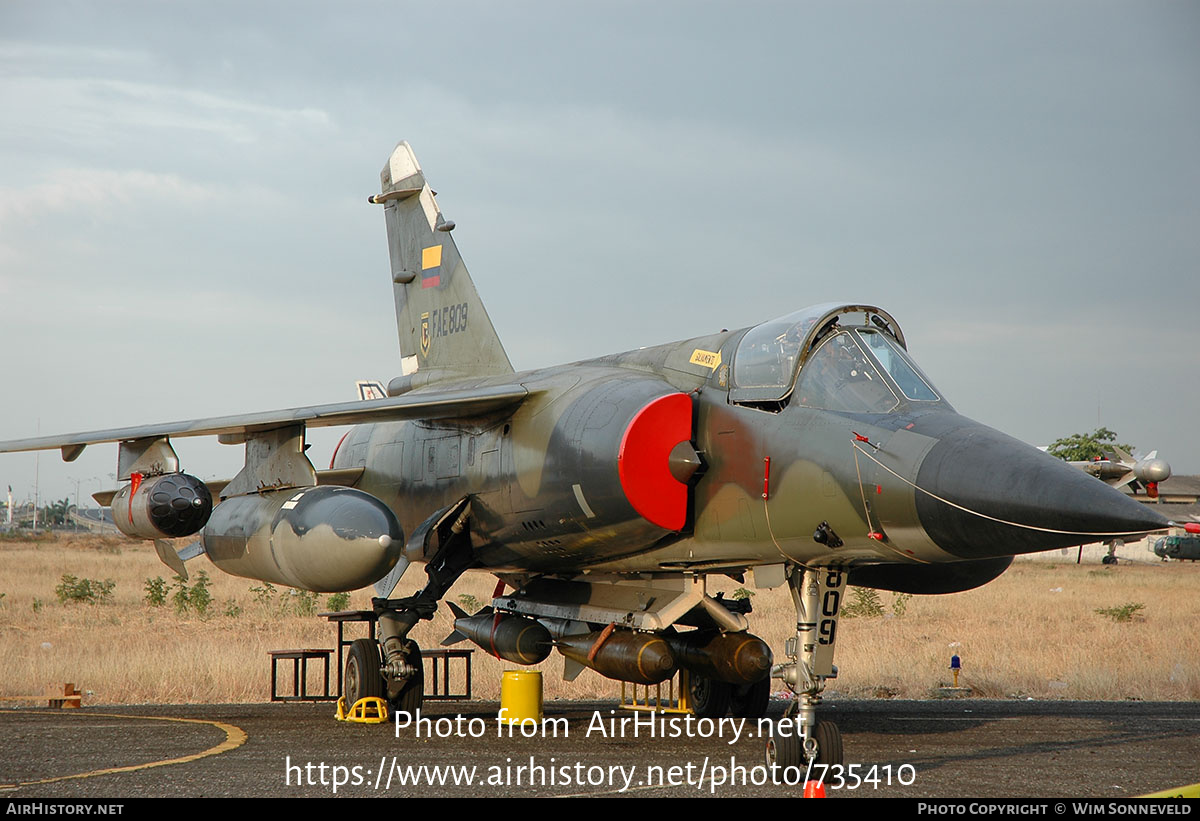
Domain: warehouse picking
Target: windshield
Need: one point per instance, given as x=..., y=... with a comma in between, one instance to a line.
x=898, y=365
x=840, y=377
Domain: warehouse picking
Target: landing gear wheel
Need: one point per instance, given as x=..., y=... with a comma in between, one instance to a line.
x=788, y=750
x=784, y=751
x=1109, y=559
x=363, y=678
x=750, y=700
x=709, y=697
x=408, y=695
x=829, y=743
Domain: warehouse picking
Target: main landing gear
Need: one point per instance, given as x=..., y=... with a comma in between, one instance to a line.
x=400, y=674
x=817, y=594
x=711, y=698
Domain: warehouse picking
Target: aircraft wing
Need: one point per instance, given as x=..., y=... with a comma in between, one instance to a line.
x=443, y=404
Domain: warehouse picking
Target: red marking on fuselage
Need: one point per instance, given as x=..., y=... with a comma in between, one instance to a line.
x=643, y=460
x=336, y=448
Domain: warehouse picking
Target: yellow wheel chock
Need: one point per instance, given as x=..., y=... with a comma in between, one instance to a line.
x=369, y=710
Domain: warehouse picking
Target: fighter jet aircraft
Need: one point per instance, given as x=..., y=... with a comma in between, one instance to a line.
x=809, y=451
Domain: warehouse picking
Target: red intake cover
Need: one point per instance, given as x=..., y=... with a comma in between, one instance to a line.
x=643, y=462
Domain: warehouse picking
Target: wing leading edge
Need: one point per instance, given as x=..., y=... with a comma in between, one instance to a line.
x=445, y=404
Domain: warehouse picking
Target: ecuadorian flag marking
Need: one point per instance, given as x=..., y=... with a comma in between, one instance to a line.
x=431, y=266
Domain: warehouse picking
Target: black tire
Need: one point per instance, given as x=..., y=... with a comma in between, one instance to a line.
x=829, y=743
x=785, y=751
x=709, y=697
x=750, y=700
x=788, y=750
x=363, y=678
x=410, y=694
x=1109, y=560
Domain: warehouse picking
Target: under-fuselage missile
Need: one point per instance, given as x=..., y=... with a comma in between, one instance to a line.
x=736, y=658
x=504, y=635
x=624, y=655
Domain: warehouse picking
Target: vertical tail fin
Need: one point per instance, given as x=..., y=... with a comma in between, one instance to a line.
x=445, y=332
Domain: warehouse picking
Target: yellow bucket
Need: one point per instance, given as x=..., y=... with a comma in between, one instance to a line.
x=521, y=696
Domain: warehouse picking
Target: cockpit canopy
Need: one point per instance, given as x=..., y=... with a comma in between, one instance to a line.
x=835, y=356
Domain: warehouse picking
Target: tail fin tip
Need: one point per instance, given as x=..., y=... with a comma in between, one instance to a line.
x=402, y=172
x=444, y=330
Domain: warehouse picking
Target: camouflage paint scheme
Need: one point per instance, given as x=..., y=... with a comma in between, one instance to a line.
x=809, y=450
x=521, y=469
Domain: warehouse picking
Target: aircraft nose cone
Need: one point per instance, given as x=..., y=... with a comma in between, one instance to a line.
x=988, y=494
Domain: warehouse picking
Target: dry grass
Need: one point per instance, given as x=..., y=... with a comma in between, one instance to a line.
x=1020, y=636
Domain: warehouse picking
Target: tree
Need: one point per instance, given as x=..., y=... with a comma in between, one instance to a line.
x=1084, y=447
x=55, y=513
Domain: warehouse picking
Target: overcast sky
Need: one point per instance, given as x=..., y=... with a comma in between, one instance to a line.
x=184, y=229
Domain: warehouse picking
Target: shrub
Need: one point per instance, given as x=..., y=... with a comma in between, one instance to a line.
x=304, y=603
x=181, y=595
x=28, y=536
x=470, y=603
x=197, y=597
x=740, y=594
x=264, y=594
x=866, y=604
x=338, y=601
x=89, y=591
x=1125, y=612
x=156, y=591
x=201, y=597
x=900, y=603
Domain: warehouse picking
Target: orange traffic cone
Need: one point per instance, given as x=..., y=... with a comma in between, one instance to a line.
x=814, y=789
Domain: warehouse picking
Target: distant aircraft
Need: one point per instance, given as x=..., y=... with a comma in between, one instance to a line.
x=1177, y=546
x=1120, y=469
x=808, y=451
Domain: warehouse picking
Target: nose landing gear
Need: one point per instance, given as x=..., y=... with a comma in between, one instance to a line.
x=817, y=593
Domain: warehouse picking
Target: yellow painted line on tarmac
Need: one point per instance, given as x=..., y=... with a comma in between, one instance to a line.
x=234, y=738
x=1190, y=791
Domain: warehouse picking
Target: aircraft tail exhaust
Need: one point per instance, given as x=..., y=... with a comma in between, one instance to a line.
x=445, y=332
